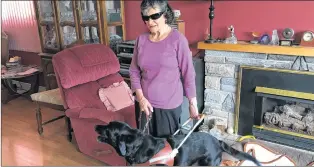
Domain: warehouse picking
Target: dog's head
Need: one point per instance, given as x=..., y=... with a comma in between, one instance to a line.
x=129, y=143
x=112, y=133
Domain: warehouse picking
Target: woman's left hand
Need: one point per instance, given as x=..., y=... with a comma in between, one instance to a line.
x=193, y=109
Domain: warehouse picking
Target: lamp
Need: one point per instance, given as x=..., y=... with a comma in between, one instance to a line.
x=211, y=17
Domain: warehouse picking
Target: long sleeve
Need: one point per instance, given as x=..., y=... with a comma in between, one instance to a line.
x=186, y=66
x=134, y=70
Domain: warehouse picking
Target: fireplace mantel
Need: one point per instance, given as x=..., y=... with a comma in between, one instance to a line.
x=257, y=48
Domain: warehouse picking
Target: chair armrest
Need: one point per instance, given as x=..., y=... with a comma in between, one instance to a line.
x=94, y=113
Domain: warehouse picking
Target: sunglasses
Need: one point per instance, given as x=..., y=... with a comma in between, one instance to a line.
x=153, y=16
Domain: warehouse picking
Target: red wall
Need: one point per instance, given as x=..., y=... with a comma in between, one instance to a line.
x=245, y=16
x=195, y=15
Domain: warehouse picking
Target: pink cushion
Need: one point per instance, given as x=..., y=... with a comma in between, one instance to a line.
x=117, y=96
x=84, y=63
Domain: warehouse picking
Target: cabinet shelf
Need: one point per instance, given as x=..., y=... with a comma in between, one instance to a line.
x=89, y=23
x=67, y=23
x=115, y=24
x=45, y=23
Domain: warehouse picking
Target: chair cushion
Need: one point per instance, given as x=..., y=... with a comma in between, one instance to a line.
x=116, y=96
x=86, y=95
x=84, y=63
x=50, y=96
x=126, y=114
x=94, y=113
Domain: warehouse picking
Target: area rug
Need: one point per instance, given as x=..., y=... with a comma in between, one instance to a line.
x=265, y=156
x=294, y=156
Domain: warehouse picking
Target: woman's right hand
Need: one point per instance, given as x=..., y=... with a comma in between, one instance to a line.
x=145, y=106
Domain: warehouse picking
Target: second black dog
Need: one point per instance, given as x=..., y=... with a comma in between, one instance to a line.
x=199, y=149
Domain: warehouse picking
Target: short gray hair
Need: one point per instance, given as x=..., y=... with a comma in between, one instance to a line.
x=162, y=5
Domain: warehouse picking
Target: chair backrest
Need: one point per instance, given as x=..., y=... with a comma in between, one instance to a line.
x=82, y=70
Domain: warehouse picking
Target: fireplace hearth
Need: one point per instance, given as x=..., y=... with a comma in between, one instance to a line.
x=276, y=105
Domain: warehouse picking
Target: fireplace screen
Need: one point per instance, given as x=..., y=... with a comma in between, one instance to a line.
x=291, y=116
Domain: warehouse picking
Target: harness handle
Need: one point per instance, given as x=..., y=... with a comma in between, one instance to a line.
x=191, y=131
x=186, y=122
x=176, y=150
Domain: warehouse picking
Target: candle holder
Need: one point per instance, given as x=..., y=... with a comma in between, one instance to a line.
x=211, y=17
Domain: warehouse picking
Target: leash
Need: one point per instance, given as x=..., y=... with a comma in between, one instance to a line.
x=147, y=122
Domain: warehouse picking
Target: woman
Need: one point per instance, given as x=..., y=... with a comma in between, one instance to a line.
x=161, y=57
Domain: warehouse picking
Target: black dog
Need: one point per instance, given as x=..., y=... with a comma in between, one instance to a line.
x=199, y=149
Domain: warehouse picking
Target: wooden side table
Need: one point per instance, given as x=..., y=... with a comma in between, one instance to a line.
x=28, y=74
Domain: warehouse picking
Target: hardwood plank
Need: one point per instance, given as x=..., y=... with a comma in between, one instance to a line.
x=23, y=146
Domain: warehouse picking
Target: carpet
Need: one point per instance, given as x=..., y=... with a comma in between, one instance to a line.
x=284, y=154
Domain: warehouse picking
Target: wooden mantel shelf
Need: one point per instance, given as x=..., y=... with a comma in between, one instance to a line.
x=257, y=48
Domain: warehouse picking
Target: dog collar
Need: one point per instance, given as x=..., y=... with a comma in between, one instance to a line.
x=162, y=157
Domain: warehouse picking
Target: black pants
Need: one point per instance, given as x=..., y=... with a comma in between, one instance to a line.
x=164, y=122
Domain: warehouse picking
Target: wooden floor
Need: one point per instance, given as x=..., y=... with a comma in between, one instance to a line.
x=21, y=145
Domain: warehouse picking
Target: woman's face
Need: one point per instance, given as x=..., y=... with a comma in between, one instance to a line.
x=156, y=20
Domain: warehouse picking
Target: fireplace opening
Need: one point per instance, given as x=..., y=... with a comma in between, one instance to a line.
x=294, y=116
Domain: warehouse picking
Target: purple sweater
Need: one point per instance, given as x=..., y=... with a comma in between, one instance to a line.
x=157, y=67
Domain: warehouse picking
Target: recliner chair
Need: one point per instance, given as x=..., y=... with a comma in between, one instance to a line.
x=81, y=71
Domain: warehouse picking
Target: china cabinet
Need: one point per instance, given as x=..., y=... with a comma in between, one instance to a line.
x=63, y=23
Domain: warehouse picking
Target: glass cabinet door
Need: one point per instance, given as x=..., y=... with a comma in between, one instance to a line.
x=67, y=23
x=47, y=25
x=115, y=36
x=89, y=22
x=113, y=11
x=114, y=23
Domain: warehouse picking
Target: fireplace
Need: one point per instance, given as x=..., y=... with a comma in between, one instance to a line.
x=276, y=105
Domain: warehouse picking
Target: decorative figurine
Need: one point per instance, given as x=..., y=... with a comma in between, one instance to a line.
x=177, y=14
x=256, y=36
x=274, y=38
x=232, y=39
x=265, y=39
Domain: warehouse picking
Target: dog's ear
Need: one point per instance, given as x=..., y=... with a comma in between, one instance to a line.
x=100, y=129
x=128, y=144
x=122, y=148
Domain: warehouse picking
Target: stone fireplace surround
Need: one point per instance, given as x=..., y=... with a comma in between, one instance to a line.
x=221, y=77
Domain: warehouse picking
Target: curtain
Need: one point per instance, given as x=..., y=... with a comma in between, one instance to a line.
x=19, y=23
